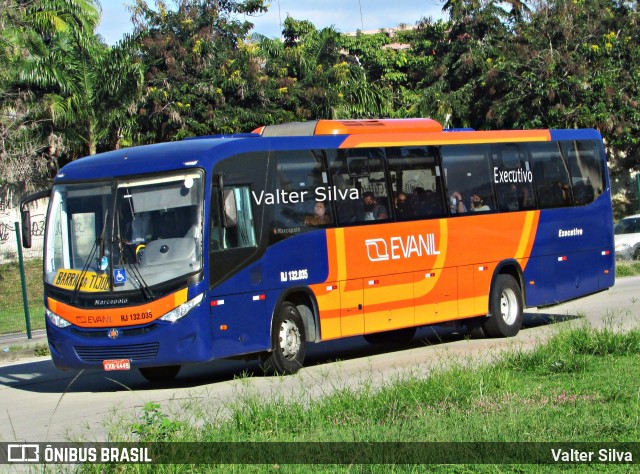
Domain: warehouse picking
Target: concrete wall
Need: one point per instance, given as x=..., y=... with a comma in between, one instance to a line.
x=8, y=217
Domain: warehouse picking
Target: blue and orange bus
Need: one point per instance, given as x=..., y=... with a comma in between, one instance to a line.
x=257, y=244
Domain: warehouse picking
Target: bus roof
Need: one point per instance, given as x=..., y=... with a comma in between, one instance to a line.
x=204, y=151
x=350, y=127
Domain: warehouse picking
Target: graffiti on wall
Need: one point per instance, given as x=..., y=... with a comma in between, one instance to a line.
x=8, y=244
x=5, y=232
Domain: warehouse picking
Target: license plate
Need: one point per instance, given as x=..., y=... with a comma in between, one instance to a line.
x=116, y=364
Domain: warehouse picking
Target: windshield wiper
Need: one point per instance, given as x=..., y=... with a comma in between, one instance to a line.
x=85, y=268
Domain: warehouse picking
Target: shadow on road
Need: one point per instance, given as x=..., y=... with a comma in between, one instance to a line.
x=43, y=377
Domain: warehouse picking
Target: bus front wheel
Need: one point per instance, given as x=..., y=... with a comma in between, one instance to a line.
x=505, y=308
x=160, y=374
x=289, y=342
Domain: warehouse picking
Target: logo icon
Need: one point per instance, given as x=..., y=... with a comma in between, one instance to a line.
x=23, y=453
x=119, y=276
x=377, y=250
x=113, y=333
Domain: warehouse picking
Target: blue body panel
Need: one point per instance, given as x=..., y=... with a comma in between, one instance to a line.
x=247, y=317
x=562, y=268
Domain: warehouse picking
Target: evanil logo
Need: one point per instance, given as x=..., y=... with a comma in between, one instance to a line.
x=395, y=248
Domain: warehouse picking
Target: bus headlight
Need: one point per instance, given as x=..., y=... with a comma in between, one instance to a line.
x=56, y=320
x=182, y=310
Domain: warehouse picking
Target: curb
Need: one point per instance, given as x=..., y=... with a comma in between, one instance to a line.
x=14, y=347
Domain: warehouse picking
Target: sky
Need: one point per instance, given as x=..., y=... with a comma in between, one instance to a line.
x=344, y=15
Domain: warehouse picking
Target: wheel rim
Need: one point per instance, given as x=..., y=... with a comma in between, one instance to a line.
x=508, y=306
x=290, y=339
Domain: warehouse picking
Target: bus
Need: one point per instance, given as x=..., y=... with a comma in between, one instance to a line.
x=255, y=245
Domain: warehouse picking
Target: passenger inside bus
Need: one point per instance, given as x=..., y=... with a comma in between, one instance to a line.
x=478, y=204
x=320, y=215
x=373, y=210
x=456, y=203
x=403, y=210
x=512, y=197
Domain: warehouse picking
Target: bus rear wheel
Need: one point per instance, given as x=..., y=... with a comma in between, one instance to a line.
x=505, y=308
x=289, y=342
x=160, y=374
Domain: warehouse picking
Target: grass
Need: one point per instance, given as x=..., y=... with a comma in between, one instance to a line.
x=582, y=386
x=627, y=268
x=12, y=317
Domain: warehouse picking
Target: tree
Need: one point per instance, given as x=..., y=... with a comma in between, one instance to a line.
x=84, y=84
x=319, y=74
x=33, y=39
x=201, y=75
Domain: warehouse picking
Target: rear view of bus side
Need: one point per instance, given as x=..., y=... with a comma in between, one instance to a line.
x=307, y=232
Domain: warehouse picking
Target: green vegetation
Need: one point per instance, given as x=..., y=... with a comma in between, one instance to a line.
x=41, y=350
x=579, y=387
x=197, y=68
x=627, y=268
x=11, y=306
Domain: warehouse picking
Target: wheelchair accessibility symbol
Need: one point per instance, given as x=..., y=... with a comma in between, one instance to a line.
x=119, y=276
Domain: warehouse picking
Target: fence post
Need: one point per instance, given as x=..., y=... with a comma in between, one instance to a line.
x=23, y=280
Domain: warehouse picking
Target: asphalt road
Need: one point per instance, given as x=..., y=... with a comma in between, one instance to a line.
x=38, y=403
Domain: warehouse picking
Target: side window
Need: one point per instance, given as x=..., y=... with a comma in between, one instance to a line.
x=417, y=184
x=468, y=178
x=550, y=175
x=232, y=223
x=360, y=175
x=512, y=178
x=586, y=168
x=300, y=197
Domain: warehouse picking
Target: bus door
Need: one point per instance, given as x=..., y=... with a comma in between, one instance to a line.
x=238, y=303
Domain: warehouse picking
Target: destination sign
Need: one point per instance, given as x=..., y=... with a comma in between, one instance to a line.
x=91, y=281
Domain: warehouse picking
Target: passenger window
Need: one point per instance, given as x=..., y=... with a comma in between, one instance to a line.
x=512, y=177
x=361, y=186
x=550, y=175
x=301, y=181
x=586, y=170
x=417, y=183
x=232, y=224
x=468, y=178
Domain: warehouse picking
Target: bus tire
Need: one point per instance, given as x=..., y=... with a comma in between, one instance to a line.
x=398, y=336
x=289, y=342
x=160, y=374
x=505, y=308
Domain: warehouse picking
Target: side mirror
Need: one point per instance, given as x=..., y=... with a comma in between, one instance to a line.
x=25, y=215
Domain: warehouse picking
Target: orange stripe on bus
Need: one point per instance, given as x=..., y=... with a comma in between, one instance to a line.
x=108, y=317
x=445, y=138
x=417, y=272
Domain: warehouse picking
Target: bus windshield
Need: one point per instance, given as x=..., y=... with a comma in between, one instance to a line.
x=124, y=235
